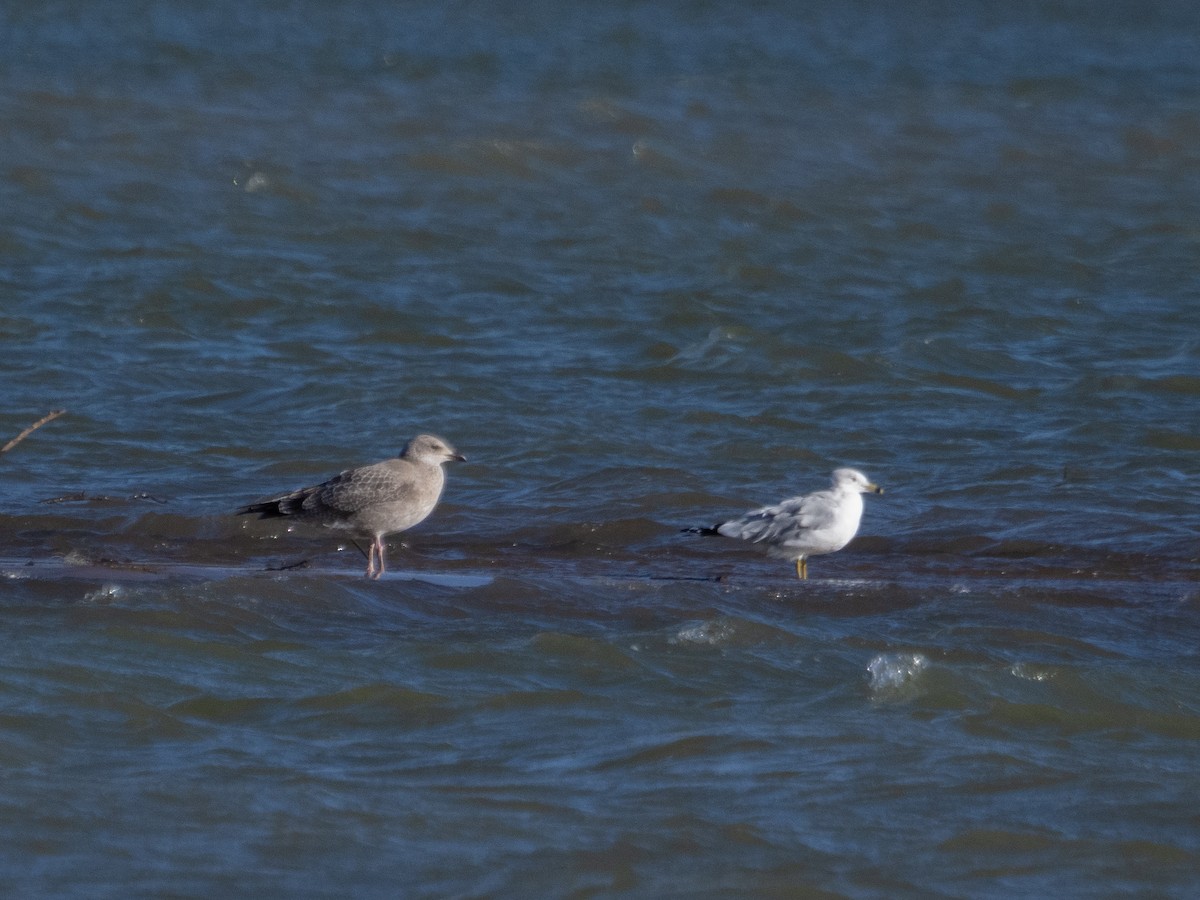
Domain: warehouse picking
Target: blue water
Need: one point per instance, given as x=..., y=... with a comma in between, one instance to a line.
x=647, y=266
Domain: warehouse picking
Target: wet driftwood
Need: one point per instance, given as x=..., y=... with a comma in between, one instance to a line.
x=49, y=417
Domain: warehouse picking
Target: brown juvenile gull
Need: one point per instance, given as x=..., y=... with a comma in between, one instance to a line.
x=373, y=501
x=795, y=529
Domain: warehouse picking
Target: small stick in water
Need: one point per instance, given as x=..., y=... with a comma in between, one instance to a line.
x=49, y=417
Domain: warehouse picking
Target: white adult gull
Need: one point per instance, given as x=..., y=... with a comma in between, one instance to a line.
x=373, y=501
x=804, y=526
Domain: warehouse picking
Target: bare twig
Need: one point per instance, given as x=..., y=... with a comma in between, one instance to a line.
x=49, y=417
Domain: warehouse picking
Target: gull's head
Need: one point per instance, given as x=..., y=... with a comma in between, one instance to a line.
x=432, y=450
x=854, y=481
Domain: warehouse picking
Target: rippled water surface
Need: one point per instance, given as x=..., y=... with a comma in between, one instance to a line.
x=646, y=266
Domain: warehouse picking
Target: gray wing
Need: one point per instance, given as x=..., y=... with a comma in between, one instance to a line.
x=356, y=489
x=782, y=522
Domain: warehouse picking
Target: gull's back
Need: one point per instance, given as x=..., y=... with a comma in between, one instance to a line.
x=816, y=523
x=386, y=497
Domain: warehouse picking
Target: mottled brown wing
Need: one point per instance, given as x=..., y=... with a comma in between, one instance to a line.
x=355, y=489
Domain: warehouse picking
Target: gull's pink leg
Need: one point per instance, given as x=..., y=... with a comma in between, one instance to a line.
x=371, y=561
x=379, y=551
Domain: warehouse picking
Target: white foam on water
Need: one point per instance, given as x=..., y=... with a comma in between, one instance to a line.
x=1028, y=672
x=893, y=671
x=710, y=633
x=106, y=593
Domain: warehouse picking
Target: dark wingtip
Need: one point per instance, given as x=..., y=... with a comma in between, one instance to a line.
x=697, y=529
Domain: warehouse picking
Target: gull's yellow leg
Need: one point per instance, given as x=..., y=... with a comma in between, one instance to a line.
x=802, y=568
